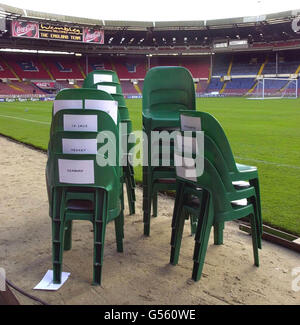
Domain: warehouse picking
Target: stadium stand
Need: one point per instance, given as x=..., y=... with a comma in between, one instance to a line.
x=19, y=71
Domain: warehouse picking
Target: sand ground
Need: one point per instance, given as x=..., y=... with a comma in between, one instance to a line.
x=142, y=274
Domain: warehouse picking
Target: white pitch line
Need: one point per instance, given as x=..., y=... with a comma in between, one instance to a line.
x=268, y=162
x=24, y=119
x=249, y=159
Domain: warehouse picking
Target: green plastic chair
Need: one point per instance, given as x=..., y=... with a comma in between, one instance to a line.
x=100, y=76
x=166, y=91
x=215, y=208
x=238, y=172
x=96, y=197
x=124, y=116
x=213, y=154
x=114, y=88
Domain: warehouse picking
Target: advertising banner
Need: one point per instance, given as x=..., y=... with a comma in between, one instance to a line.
x=93, y=36
x=24, y=29
x=45, y=85
x=60, y=32
x=51, y=31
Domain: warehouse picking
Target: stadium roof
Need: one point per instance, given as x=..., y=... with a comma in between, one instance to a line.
x=31, y=14
x=161, y=36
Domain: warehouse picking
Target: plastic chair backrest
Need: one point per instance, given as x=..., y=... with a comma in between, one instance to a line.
x=73, y=157
x=212, y=128
x=97, y=76
x=211, y=181
x=110, y=87
x=83, y=101
x=168, y=88
x=212, y=153
x=95, y=122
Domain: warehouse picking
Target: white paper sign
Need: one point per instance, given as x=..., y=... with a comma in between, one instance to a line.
x=108, y=106
x=186, y=173
x=188, y=144
x=102, y=77
x=86, y=123
x=79, y=146
x=76, y=171
x=190, y=123
x=59, y=105
x=47, y=281
x=184, y=161
x=185, y=167
x=108, y=89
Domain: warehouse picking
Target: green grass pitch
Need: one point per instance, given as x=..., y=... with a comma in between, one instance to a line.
x=263, y=133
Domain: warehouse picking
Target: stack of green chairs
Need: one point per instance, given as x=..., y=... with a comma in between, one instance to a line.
x=79, y=187
x=211, y=196
x=107, y=80
x=238, y=173
x=166, y=91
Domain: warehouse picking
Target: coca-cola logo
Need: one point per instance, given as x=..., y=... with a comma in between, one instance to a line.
x=25, y=29
x=92, y=36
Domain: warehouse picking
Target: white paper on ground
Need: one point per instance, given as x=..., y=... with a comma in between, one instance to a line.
x=67, y=104
x=190, y=123
x=102, y=77
x=86, y=123
x=47, y=281
x=76, y=171
x=79, y=146
x=108, y=89
x=108, y=106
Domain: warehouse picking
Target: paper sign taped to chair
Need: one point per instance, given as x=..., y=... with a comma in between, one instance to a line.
x=186, y=144
x=186, y=173
x=86, y=123
x=47, y=281
x=108, y=106
x=79, y=146
x=102, y=78
x=108, y=89
x=180, y=160
x=59, y=105
x=76, y=171
x=190, y=123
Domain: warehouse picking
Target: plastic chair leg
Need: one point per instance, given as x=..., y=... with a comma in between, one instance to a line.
x=218, y=233
x=155, y=197
x=119, y=232
x=147, y=194
x=57, y=235
x=255, y=203
x=254, y=239
x=255, y=183
x=177, y=225
x=204, y=226
x=130, y=190
x=132, y=180
x=99, y=236
x=68, y=236
x=177, y=237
